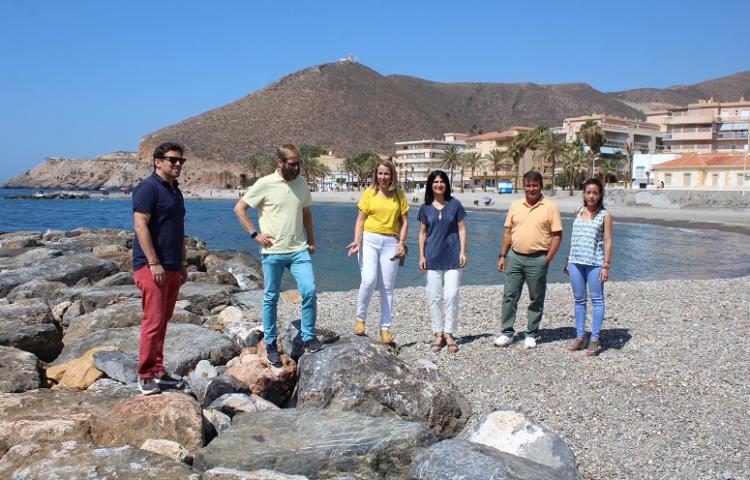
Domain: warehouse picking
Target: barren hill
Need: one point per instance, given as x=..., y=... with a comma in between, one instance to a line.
x=349, y=108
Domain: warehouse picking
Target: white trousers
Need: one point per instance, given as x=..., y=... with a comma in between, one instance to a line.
x=442, y=296
x=379, y=270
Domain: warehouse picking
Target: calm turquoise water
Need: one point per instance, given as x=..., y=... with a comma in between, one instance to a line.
x=642, y=252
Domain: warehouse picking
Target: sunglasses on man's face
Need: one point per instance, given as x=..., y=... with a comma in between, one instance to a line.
x=174, y=160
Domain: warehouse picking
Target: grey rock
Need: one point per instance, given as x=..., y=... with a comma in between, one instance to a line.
x=231, y=404
x=205, y=296
x=463, y=460
x=513, y=433
x=356, y=373
x=216, y=278
x=119, y=278
x=247, y=270
x=35, y=289
x=16, y=240
x=184, y=346
x=118, y=366
x=68, y=269
x=198, y=378
x=215, y=423
x=28, y=258
x=291, y=338
x=28, y=325
x=317, y=443
x=232, y=474
x=85, y=241
x=248, y=300
x=126, y=313
x=73, y=460
x=92, y=298
x=19, y=371
x=222, y=385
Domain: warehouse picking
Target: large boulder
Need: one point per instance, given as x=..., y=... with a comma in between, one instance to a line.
x=291, y=338
x=57, y=415
x=356, y=373
x=72, y=460
x=68, y=269
x=126, y=313
x=35, y=289
x=16, y=240
x=169, y=416
x=460, y=459
x=274, y=384
x=317, y=443
x=247, y=270
x=78, y=373
x=92, y=297
x=119, y=278
x=232, y=404
x=232, y=474
x=219, y=386
x=27, y=258
x=251, y=300
x=512, y=432
x=28, y=325
x=205, y=296
x=184, y=346
x=19, y=371
x=119, y=366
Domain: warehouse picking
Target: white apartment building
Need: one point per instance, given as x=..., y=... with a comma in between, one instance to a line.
x=415, y=159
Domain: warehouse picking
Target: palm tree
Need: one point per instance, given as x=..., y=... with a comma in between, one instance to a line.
x=550, y=148
x=313, y=169
x=574, y=162
x=497, y=158
x=630, y=150
x=608, y=168
x=268, y=165
x=516, y=151
x=472, y=161
x=593, y=136
x=253, y=164
x=451, y=158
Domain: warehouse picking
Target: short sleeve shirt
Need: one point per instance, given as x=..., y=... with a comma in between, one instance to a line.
x=532, y=225
x=280, y=205
x=383, y=213
x=165, y=204
x=442, y=245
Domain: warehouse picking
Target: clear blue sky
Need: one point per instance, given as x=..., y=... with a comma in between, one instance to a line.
x=80, y=78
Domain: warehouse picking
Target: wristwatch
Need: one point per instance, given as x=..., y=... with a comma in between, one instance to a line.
x=254, y=234
x=501, y=255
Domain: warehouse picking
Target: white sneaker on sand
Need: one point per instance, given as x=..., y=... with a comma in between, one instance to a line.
x=503, y=341
x=529, y=342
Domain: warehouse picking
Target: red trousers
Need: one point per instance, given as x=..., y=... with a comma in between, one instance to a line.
x=158, y=305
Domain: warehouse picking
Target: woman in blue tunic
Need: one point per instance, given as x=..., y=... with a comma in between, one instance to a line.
x=442, y=255
x=588, y=263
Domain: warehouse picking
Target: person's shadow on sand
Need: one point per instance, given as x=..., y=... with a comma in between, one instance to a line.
x=615, y=338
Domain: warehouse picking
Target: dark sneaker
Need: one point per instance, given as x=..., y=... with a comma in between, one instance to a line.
x=595, y=346
x=313, y=345
x=166, y=381
x=273, y=355
x=148, y=386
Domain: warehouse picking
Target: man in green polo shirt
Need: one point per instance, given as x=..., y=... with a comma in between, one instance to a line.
x=532, y=237
x=287, y=240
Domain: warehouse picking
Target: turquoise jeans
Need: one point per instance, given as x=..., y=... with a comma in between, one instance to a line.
x=300, y=266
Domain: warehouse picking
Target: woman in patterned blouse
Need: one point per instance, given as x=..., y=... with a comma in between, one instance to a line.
x=588, y=263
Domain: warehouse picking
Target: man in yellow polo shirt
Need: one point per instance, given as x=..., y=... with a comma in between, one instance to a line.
x=287, y=240
x=532, y=237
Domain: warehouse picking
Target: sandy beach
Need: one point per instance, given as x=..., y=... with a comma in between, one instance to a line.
x=727, y=219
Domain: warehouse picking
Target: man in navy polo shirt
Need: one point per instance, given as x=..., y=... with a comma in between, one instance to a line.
x=158, y=260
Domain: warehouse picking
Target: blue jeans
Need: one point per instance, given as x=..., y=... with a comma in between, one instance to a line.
x=300, y=266
x=580, y=276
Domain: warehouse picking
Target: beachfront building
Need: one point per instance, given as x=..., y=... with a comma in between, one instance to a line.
x=485, y=176
x=415, y=159
x=338, y=179
x=647, y=136
x=643, y=168
x=707, y=171
x=705, y=127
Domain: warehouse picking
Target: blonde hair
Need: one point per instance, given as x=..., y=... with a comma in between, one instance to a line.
x=287, y=150
x=394, y=178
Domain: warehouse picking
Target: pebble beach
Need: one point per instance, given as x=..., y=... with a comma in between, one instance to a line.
x=667, y=398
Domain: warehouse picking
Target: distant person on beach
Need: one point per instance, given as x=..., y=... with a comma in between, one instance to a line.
x=159, y=265
x=588, y=263
x=287, y=241
x=379, y=241
x=533, y=231
x=442, y=255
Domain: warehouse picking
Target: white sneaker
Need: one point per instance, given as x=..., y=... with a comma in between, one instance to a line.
x=503, y=341
x=529, y=342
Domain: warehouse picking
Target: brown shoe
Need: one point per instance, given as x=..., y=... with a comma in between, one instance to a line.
x=576, y=344
x=439, y=342
x=359, y=328
x=386, y=337
x=451, y=342
x=595, y=346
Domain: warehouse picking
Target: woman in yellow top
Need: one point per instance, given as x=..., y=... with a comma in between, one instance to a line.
x=379, y=236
